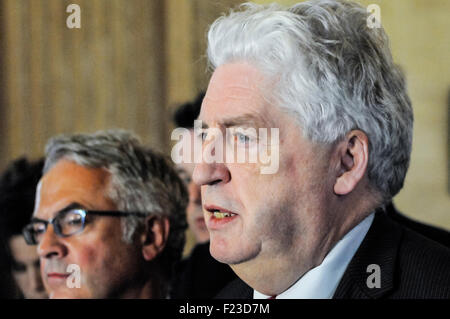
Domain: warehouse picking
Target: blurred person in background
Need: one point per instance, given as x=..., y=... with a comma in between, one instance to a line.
x=199, y=275
x=19, y=262
x=109, y=219
x=184, y=117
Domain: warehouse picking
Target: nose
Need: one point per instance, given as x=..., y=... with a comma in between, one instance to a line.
x=210, y=174
x=209, y=171
x=50, y=245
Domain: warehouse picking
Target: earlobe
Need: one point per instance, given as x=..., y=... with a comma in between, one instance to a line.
x=155, y=237
x=354, y=155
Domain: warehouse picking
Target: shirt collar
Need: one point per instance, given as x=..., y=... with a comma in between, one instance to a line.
x=321, y=282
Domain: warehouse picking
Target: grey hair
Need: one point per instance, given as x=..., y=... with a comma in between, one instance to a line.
x=141, y=181
x=331, y=71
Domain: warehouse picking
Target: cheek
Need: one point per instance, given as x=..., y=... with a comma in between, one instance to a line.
x=88, y=254
x=247, y=179
x=95, y=246
x=89, y=258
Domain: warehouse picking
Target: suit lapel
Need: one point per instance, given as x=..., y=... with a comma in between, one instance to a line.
x=379, y=247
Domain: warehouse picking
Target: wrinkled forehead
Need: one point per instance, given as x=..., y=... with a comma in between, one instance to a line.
x=237, y=77
x=233, y=88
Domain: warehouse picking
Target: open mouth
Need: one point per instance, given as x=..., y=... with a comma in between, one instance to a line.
x=219, y=213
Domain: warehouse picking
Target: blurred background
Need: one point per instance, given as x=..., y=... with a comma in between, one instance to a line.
x=133, y=62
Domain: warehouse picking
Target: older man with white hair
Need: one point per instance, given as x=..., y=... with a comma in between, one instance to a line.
x=316, y=228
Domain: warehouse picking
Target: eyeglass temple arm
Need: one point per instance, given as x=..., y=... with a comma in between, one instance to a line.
x=115, y=213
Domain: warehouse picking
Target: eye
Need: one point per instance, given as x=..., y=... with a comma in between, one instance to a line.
x=203, y=134
x=73, y=219
x=38, y=228
x=243, y=139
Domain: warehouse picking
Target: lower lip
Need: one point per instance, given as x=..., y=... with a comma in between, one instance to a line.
x=57, y=277
x=217, y=223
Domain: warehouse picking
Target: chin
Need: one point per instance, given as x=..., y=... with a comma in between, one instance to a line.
x=220, y=251
x=63, y=295
x=227, y=254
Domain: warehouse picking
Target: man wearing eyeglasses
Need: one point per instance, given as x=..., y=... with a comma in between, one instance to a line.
x=112, y=211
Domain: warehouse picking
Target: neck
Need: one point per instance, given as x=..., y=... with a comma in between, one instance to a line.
x=274, y=274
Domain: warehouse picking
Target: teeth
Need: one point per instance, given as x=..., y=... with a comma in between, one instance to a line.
x=220, y=215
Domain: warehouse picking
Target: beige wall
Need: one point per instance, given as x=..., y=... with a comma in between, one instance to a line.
x=58, y=80
x=131, y=62
x=128, y=66
x=418, y=32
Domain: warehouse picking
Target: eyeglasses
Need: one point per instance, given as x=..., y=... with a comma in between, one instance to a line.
x=68, y=222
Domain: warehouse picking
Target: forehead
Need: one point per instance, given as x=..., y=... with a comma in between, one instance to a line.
x=234, y=89
x=67, y=182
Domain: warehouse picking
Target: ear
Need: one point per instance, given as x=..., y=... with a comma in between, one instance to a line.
x=155, y=236
x=353, y=155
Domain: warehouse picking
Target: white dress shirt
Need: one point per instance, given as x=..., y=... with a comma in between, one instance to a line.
x=321, y=282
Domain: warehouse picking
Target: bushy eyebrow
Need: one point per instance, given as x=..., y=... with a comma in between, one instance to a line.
x=247, y=120
x=73, y=205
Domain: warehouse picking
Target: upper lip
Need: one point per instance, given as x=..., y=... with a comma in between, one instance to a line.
x=212, y=208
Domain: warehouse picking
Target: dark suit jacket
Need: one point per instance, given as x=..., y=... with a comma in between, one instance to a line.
x=200, y=275
x=412, y=266
x=437, y=234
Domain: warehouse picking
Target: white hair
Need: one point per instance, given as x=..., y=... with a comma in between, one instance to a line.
x=329, y=69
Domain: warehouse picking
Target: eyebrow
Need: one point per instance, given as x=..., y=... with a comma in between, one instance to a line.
x=248, y=119
x=73, y=205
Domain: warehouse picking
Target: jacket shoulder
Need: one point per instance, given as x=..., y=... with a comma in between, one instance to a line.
x=423, y=267
x=410, y=265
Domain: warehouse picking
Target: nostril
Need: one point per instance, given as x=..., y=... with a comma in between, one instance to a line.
x=217, y=181
x=51, y=254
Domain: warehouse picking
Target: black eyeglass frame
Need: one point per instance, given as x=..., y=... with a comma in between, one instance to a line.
x=29, y=239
